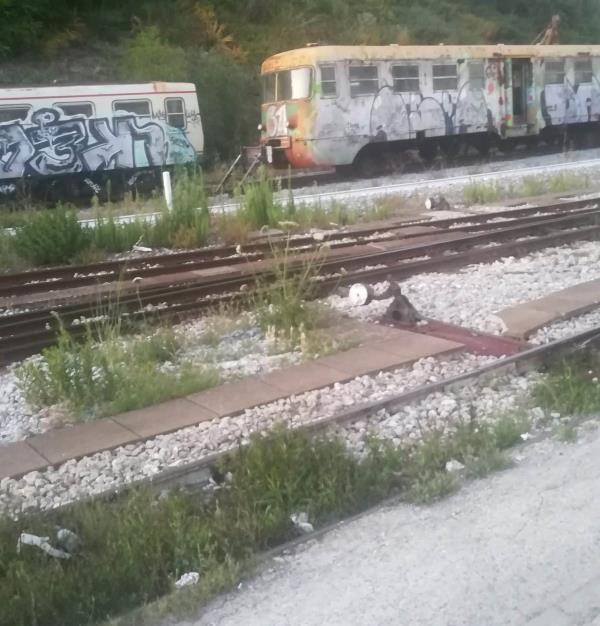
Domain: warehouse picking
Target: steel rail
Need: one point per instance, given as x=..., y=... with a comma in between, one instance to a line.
x=68, y=277
x=27, y=333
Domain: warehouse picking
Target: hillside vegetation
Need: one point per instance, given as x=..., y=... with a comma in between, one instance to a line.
x=219, y=45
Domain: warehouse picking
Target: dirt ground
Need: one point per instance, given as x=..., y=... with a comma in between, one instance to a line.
x=521, y=547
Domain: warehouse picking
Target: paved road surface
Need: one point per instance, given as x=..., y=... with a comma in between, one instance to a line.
x=521, y=547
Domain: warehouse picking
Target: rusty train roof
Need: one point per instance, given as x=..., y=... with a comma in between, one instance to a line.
x=321, y=54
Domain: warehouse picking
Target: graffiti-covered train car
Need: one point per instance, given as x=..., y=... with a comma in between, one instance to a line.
x=353, y=105
x=77, y=138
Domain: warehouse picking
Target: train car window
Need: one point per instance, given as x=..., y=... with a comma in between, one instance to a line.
x=269, y=83
x=328, y=84
x=554, y=73
x=294, y=84
x=175, y=111
x=445, y=78
x=76, y=108
x=10, y=114
x=137, y=107
x=364, y=80
x=476, y=75
x=406, y=78
x=583, y=71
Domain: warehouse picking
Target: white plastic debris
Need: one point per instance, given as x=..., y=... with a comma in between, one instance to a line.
x=42, y=543
x=454, y=466
x=141, y=249
x=187, y=580
x=68, y=541
x=360, y=294
x=300, y=521
x=526, y=436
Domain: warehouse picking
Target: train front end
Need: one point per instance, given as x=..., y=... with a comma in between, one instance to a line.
x=288, y=113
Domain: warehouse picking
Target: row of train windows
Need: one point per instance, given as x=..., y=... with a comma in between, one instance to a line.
x=554, y=73
x=174, y=110
x=364, y=79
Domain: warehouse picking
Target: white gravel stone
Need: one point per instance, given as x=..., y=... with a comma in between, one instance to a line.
x=444, y=410
x=566, y=328
x=17, y=419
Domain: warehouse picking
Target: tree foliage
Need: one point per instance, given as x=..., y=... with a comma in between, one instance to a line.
x=219, y=44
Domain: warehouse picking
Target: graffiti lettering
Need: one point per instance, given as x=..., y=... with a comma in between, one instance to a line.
x=53, y=143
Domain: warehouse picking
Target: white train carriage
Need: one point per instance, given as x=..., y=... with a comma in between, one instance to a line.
x=343, y=105
x=89, y=134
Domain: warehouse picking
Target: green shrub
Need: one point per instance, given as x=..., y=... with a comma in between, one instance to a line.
x=148, y=57
x=52, y=237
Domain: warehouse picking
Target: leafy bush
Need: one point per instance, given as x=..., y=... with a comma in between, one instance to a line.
x=51, y=237
x=148, y=57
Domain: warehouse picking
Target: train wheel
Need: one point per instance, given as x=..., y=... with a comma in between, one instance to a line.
x=369, y=165
x=451, y=148
x=428, y=152
x=482, y=144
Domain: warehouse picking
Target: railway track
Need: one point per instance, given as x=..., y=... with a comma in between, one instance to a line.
x=72, y=277
x=198, y=474
x=27, y=333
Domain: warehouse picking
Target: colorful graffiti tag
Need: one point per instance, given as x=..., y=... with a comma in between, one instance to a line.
x=50, y=143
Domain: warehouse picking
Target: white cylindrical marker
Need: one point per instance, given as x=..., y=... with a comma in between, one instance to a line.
x=168, y=190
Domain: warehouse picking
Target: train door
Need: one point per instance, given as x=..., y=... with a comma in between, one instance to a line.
x=521, y=88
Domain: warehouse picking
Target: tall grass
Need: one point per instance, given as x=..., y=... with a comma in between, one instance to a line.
x=51, y=237
x=186, y=226
x=257, y=204
x=571, y=386
x=281, y=301
x=136, y=545
x=106, y=374
x=54, y=237
x=482, y=193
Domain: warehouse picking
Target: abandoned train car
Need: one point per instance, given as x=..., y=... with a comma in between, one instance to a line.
x=75, y=139
x=360, y=105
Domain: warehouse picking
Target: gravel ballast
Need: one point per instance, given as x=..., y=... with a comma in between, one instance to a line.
x=111, y=469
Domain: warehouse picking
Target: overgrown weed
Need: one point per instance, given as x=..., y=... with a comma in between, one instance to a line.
x=51, y=237
x=281, y=301
x=572, y=386
x=107, y=373
x=482, y=193
x=136, y=545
